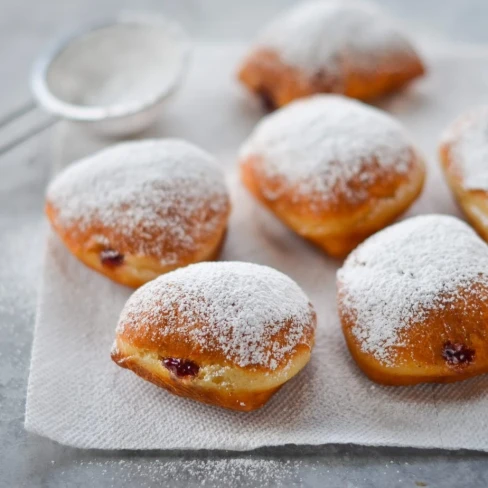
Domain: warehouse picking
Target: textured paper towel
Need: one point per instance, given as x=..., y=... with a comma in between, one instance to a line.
x=77, y=396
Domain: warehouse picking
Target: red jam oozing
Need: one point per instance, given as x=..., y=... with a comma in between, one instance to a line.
x=457, y=354
x=181, y=367
x=111, y=258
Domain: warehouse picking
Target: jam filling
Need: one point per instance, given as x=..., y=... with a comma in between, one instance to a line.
x=111, y=258
x=457, y=354
x=181, y=367
x=266, y=101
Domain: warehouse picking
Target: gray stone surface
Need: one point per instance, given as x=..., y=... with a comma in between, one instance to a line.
x=30, y=461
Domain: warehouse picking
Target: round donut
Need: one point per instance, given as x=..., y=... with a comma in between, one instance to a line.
x=333, y=169
x=140, y=209
x=413, y=302
x=227, y=333
x=335, y=46
x=464, y=155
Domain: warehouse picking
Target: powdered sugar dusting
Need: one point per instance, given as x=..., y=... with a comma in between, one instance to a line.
x=468, y=138
x=320, y=35
x=321, y=143
x=244, y=471
x=158, y=191
x=395, y=277
x=233, y=307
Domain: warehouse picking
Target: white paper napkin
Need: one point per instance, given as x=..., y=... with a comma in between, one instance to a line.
x=77, y=396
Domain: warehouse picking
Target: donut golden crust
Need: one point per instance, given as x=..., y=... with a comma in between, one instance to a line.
x=333, y=46
x=141, y=209
x=276, y=83
x=126, y=265
x=413, y=303
x=226, y=334
x=463, y=152
x=332, y=169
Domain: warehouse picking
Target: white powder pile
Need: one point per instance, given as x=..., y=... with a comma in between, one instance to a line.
x=319, y=35
x=239, y=308
x=119, y=64
x=159, y=194
x=468, y=138
x=319, y=144
x=402, y=272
